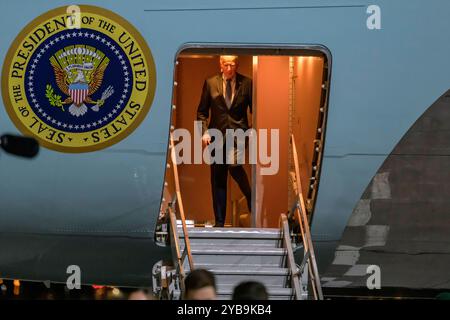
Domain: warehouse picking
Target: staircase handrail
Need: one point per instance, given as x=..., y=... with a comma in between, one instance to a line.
x=187, y=242
x=300, y=210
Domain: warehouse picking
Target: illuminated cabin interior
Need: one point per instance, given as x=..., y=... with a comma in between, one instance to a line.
x=290, y=89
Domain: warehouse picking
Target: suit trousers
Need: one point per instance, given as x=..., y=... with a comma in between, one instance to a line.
x=219, y=176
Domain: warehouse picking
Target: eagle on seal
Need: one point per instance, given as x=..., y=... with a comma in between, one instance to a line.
x=79, y=81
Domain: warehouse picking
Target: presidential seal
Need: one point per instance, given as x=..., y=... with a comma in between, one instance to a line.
x=78, y=79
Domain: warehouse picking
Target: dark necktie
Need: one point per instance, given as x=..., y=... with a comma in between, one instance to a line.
x=228, y=93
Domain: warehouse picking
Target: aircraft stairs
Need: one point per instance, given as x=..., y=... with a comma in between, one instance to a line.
x=234, y=255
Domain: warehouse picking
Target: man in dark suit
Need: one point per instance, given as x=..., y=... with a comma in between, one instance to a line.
x=226, y=97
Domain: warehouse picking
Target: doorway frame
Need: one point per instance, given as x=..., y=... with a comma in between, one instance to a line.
x=273, y=49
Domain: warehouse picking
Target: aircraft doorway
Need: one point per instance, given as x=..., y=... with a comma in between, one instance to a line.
x=289, y=89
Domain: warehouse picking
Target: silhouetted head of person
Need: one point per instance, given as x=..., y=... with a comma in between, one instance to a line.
x=250, y=290
x=200, y=284
x=140, y=294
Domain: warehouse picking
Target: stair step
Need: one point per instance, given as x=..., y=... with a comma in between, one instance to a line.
x=274, y=243
x=232, y=236
x=276, y=277
x=230, y=266
x=239, y=233
x=247, y=270
x=227, y=250
x=231, y=273
x=225, y=292
x=259, y=255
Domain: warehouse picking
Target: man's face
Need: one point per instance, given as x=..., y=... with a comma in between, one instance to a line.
x=228, y=66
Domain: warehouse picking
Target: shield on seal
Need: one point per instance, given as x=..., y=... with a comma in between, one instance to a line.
x=78, y=92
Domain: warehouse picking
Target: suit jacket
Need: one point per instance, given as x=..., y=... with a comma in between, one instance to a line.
x=212, y=101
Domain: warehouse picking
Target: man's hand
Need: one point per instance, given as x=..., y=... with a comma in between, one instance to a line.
x=206, y=139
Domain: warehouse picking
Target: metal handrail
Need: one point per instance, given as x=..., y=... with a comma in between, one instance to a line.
x=295, y=282
x=302, y=218
x=187, y=242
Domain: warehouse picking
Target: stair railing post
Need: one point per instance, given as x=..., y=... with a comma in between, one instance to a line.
x=173, y=225
x=287, y=244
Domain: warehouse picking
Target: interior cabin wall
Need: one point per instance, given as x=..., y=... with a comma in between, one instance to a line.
x=272, y=112
x=308, y=79
x=195, y=178
x=273, y=100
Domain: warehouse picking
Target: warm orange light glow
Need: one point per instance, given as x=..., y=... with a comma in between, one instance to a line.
x=16, y=283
